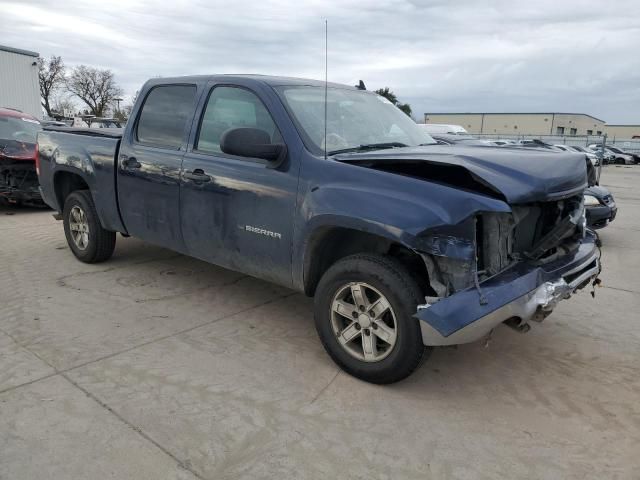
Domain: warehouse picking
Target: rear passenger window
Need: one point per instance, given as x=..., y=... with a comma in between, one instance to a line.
x=232, y=107
x=164, y=115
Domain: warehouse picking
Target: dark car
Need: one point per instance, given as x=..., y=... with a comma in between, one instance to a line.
x=614, y=155
x=332, y=191
x=624, y=154
x=600, y=206
x=18, y=177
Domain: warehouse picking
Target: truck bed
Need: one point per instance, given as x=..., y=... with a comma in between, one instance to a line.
x=92, y=132
x=88, y=153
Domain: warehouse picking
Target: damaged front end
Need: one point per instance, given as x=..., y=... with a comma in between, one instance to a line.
x=18, y=180
x=18, y=177
x=504, y=268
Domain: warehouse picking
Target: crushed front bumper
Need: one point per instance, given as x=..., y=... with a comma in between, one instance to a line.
x=19, y=181
x=521, y=293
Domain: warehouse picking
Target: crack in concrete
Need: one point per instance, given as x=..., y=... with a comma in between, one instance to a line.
x=135, y=428
x=621, y=289
x=324, y=389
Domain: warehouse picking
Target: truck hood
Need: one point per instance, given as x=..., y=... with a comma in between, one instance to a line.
x=515, y=174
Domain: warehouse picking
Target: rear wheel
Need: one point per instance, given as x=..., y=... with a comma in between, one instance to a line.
x=364, y=307
x=89, y=242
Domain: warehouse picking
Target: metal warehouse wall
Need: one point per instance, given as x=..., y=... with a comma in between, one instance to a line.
x=19, y=81
x=623, y=131
x=525, y=123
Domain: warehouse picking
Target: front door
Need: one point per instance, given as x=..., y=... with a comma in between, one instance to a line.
x=149, y=165
x=236, y=211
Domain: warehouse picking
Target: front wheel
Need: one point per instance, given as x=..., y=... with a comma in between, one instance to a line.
x=364, y=315
x=89, y=242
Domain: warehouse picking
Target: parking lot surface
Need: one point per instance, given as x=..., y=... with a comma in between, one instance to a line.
x=155, y=365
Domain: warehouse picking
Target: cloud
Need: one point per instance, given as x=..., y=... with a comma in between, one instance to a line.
x=437, y=55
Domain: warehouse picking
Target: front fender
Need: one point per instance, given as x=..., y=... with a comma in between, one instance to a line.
x=401, y=209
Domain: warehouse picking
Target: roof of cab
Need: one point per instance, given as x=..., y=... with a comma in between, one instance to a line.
x=265, y=79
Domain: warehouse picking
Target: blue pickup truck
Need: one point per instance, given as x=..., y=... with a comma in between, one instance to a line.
x=332, y=191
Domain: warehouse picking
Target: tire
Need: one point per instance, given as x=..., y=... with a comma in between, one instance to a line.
x=375, y=275
x=97, y=244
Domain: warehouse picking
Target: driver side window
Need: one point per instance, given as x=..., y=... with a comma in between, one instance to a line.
x=232, y=107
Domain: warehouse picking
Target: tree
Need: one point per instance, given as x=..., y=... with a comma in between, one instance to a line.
x=96, y=88
x=405, y=107
x=51, y=76
x=125, y=113
x=63, y=105
x=389, y=95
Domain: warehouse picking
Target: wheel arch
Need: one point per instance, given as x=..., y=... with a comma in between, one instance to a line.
x=65, y=183
x=329, y=244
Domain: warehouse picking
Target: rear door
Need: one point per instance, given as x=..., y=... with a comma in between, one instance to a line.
x=236, y=211
x=149, y=165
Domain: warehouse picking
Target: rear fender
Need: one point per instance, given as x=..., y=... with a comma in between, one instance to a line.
x=91, y=159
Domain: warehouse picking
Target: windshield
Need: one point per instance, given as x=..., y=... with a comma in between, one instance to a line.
x=19, y=129
x=615, y=150
x=356, y=120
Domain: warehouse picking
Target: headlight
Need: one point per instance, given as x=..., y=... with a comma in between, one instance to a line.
x=590, y=201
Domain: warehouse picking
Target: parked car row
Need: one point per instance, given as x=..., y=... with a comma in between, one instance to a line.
x=616, y=155
x=591, y=155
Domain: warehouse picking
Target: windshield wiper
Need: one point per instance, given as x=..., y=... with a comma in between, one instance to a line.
x=369, y=146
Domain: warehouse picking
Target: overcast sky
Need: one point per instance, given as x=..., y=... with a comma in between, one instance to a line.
x=447, y=56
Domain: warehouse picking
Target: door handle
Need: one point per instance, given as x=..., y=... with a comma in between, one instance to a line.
x=129, y=162
x=197, y=175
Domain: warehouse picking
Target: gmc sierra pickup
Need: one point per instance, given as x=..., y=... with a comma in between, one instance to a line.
x=405, y=245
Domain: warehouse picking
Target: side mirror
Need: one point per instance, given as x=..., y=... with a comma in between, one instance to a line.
x=252, y=142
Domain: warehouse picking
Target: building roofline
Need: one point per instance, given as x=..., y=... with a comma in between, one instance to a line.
x=19, y=51
x=623, y=124
x=514, y=113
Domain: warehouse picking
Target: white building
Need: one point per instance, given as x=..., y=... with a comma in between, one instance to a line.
x=19, y=85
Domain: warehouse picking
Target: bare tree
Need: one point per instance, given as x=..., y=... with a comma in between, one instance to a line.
x=51, y=75
x=96, y=88
x=128, y=108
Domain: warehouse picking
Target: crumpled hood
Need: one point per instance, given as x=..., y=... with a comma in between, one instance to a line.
x=520, y=175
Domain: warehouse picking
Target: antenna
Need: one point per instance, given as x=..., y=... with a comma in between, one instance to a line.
x=326, y=74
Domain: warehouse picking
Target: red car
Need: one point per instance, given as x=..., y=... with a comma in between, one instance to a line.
x=18, y=152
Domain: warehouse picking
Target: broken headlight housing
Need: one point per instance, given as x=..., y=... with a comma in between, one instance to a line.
x=591, y=201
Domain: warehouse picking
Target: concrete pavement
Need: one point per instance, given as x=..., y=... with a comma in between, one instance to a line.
x=155, y=365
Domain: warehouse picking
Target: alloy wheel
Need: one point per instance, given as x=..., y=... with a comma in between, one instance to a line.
x=79, y=227
x=363, y=321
